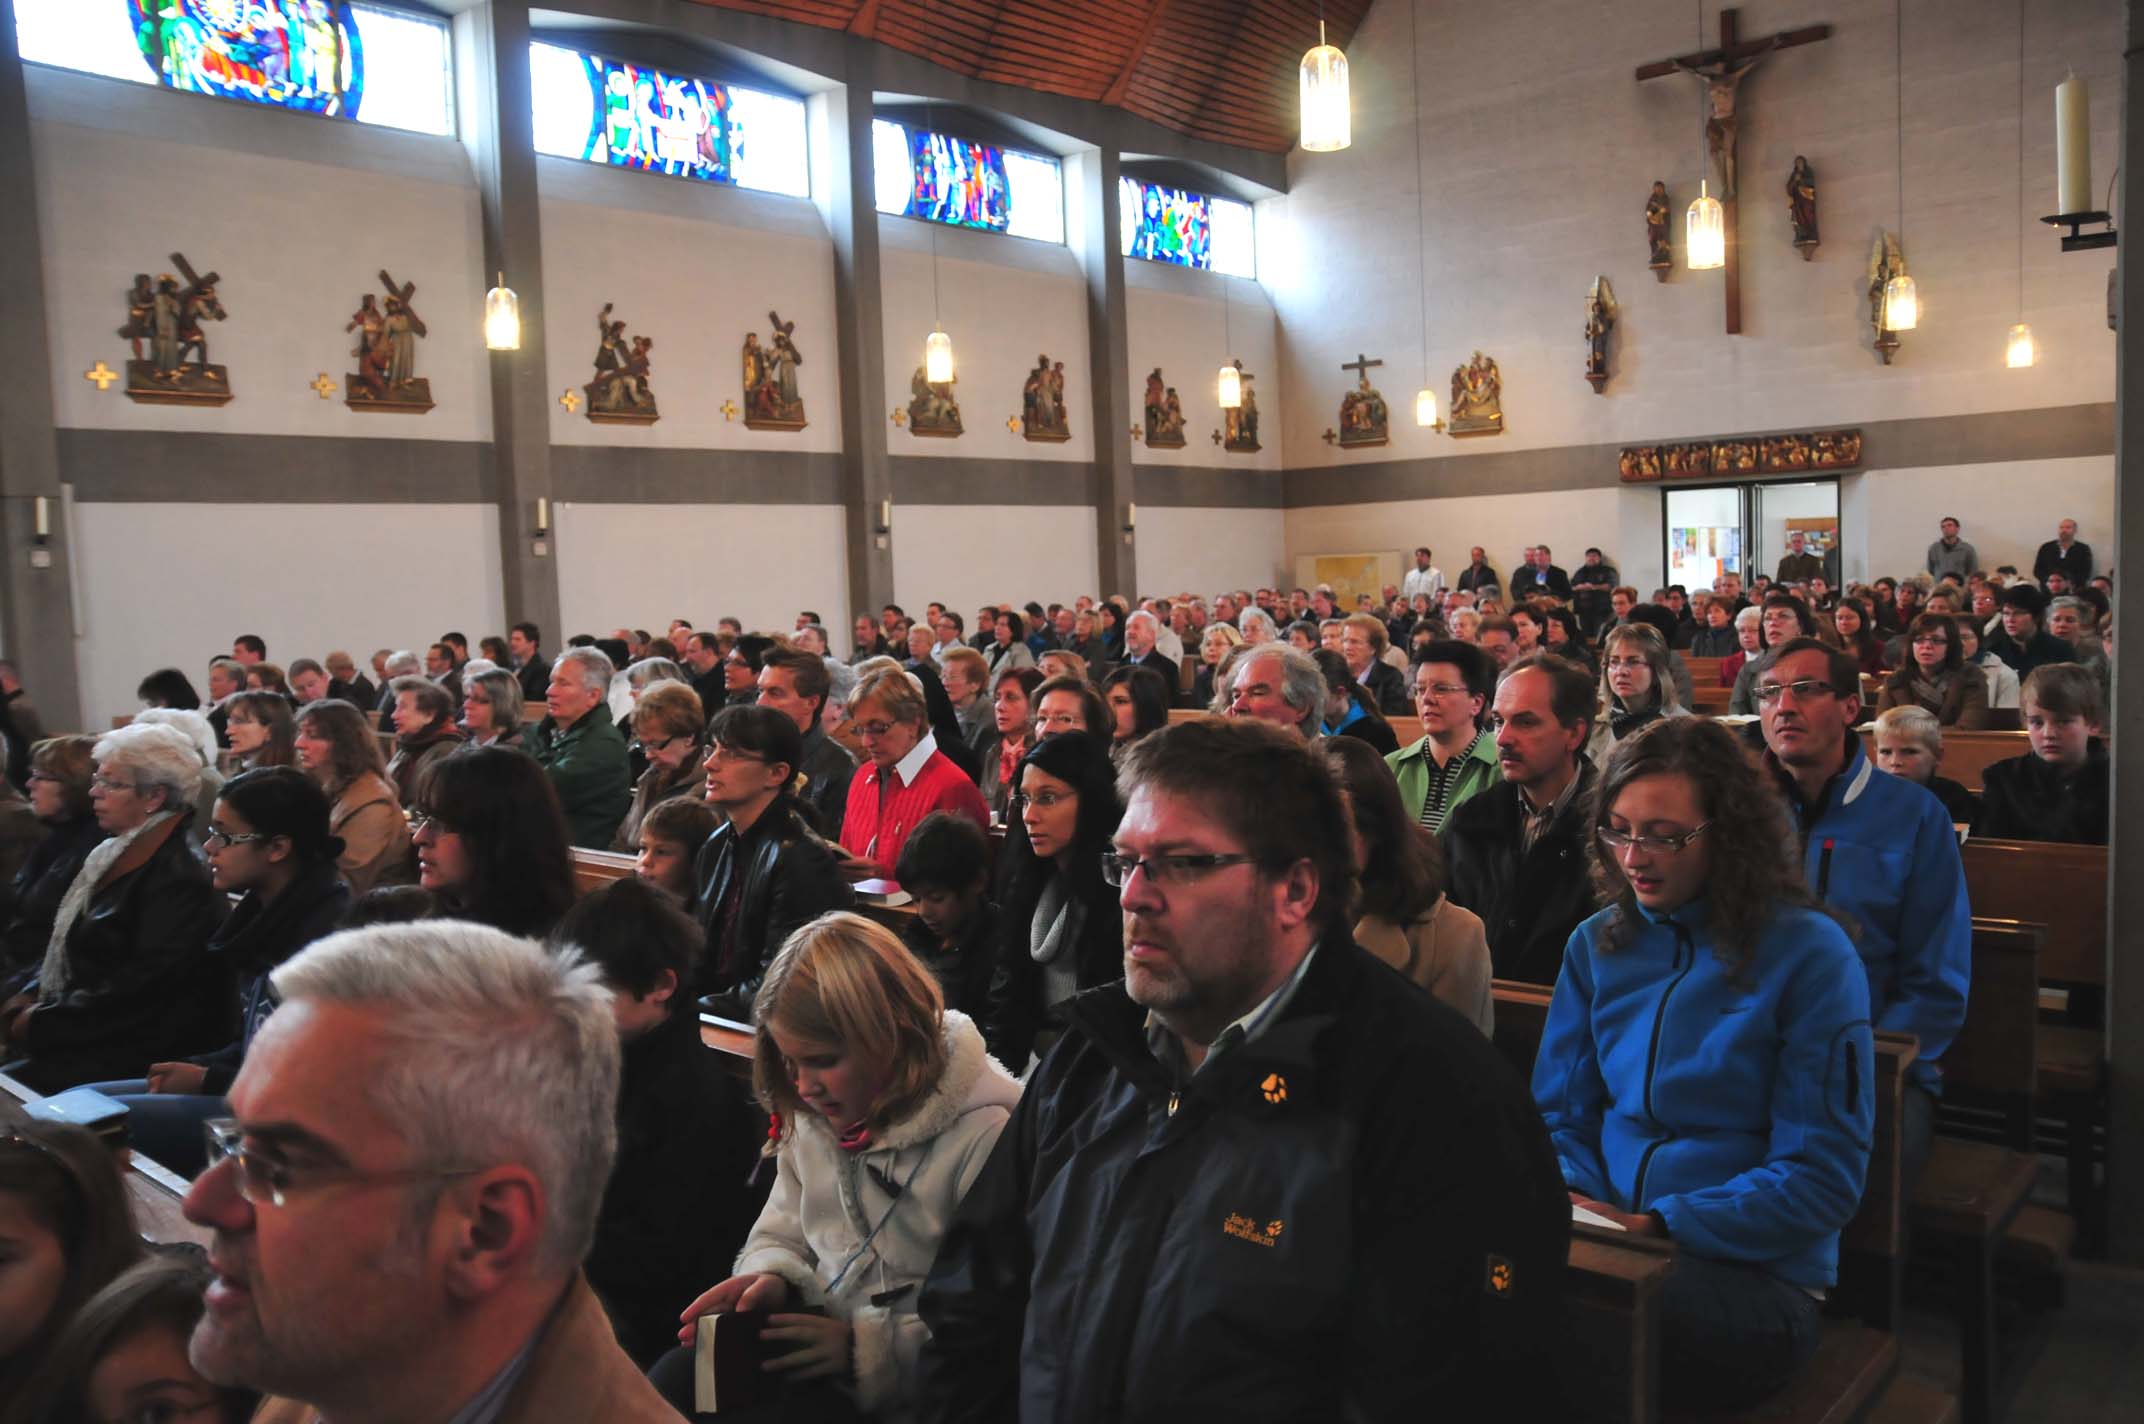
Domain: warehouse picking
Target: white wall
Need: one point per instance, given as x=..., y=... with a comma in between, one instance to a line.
x=694, y=266
x=1502, y=524
x=1539, y=150
x=641, y=565
x=308, y=578
x=1003, y=301
x=967, y=555
x=1181, y=321
x=1207, y=550
x=2007, y=511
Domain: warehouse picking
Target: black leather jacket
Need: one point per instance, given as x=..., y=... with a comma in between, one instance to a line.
x=28, y=906
x=790, y=877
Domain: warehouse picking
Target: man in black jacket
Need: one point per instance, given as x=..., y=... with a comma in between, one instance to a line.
x=795, y=683
x=524, y=645
x=2064, y=552
x=1540, y=578
x=1264, y=1178
x=763, y=874
x=1516, y=852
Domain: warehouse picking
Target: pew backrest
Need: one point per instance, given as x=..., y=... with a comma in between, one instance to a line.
x=1966, y=755
x=2062, y=888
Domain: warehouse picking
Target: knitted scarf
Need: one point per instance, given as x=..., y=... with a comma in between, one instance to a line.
x=52, y=978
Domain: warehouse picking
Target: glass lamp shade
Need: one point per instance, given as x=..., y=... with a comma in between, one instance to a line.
x=1231, y=388
x=1705, y=232
x=2018, y=353
x=1901, y=304
x=502, y=318
x=938, y=358
x=1425, y=406
x=1324, y=98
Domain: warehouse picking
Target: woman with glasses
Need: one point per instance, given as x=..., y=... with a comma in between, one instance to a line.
x=1935, y=676
x=491, y=709
x=491, y=841
x=1061, y=926
x=2002, y=679
x=1706, y=1067
x=906, y=774
x=1215, y=644
x=268, y=844
x=668, y=729
x=1637, y=688
x=261, y=729
x=337, y=748
x=126, y=976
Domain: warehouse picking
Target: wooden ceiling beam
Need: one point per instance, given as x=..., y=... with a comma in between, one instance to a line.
x=1114, y=94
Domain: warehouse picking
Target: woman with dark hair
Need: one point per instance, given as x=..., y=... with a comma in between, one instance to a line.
x=337, y=747
x=1012, y=731
x=69, y=1231
x=670, y=729
x=1138, y=699
x=1705, y=1070
x=1936, y=677
x=168, y=687
x=740, y=669
x=1008, y=650
x=123, y=1357
x=268, y=844
x=1858, y=635
x=1063, y=931
x=494, y=649
x=1350, y=707
x=1562, y=636
x=1403, y=916
x=261, y=731
x=425, y=732
x=1882, y=608
x=60, y=772
x=1113, y=611
x=491, y=841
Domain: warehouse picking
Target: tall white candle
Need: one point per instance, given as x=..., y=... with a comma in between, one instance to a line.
x=2073, y=146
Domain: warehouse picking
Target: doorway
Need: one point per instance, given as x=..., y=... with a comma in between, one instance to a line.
x=1746, y=529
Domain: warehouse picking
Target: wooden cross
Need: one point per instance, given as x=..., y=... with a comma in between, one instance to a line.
x=102, y=374
x=403, y=295
x=1217, y=437
x=194, y=283
x=322, y=386
x=1361, y=363
x=1330, y=435
x=1723, y=70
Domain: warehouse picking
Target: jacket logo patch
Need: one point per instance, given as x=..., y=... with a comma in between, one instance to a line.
x=1244, y=1228
x=1275, y=1088
x=1499, y=1279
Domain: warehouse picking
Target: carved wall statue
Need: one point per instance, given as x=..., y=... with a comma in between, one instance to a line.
x=1042, y=403
x=1661, y=260
x=1885, y=262
x=1164, y=414
x=386, y=378
x=1240, y=426
x=168, y=317
x=1801, y=206
x=1600, y=320
x=771, y=398
x=1365, y=419
x=931, y=407
x=1478, y=398
x=1762, y=455
x=620, y=393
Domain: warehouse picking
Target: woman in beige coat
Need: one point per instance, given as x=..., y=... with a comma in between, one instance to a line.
x=337, y=747
x=1404, y=918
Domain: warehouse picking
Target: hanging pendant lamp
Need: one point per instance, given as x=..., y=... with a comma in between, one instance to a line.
x=1901, y=300
x=502, y=318
x=1705, y=232
x=2018, y=351
x=1323, y=77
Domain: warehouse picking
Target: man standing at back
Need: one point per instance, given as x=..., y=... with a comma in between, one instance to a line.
x=409, y=1178
x=1950, y=556
x=1424, y=577
x=581, y=749
x=2066, y=553
x=1517, y=850
x=1227, y=1192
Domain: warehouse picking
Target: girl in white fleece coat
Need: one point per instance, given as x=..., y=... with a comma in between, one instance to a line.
x=886, y=1106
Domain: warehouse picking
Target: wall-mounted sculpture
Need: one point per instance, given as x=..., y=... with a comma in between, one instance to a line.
x=169, y=318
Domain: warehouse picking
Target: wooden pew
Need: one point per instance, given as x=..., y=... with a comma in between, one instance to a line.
x=153, y=1192
x=593, y=869
x=1966, y=754
x=1407, y=729
x=533, y=712
x=1704, y=672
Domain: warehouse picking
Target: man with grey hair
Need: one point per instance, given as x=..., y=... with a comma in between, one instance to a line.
x=409, y=1178
x=1142, y=636
x=1275, y=683
x=1256, y=625
x=580, y=748
x=401, y=663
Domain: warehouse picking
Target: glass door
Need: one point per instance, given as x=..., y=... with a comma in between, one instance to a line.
x=1797, y=530
x=1705, y=530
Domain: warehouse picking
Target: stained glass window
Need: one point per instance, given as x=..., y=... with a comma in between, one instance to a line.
x=365, y=62
x=631, y=116
x=939, y=178
x=1163, y=224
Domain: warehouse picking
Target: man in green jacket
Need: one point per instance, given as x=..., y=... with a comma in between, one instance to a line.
x=1456, y=757
x=580, y=748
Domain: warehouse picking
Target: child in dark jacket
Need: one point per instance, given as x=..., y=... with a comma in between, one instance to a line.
x=2058, y=791
x=1909, y=745
x=945, y=865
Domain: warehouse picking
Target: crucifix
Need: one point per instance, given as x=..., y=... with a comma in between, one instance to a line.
x=1722, y=70
x=1361, y=365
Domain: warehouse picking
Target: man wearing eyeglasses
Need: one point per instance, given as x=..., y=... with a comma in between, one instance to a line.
x=1264, y=1176
x=1882, y=851
x=402, y=1196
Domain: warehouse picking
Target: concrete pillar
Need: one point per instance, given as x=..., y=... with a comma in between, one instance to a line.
x=1092, y=230
x=36, y=610
x=498, y=129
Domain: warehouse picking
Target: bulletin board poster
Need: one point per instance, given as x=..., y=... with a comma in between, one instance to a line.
x=1699, y=553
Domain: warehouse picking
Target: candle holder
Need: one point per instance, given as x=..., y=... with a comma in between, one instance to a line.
x=2075, y=241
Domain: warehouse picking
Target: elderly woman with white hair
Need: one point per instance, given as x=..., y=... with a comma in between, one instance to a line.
x=196, y=728
x=127, y=977
x=1257, y=626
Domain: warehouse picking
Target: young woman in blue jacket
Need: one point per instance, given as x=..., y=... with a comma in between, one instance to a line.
x=1706, y=1067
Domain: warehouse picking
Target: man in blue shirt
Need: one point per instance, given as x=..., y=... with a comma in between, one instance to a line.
x=1880, y=850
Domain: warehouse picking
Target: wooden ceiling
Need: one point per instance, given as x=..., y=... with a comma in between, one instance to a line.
x=1221, y=70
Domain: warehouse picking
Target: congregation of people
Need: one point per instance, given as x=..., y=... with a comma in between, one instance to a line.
x=1171, y=1091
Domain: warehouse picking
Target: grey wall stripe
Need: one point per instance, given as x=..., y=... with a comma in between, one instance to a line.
x=633, y=474
x=922, y=479
x=1202, y=487
x=188, y=467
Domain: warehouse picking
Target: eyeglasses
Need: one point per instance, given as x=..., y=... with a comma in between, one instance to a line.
x=100, y=779
x=1806, y=690
x=660, y=744
x=1042, y=800
x=1615, y=842
x=37, y=776
x=1441, y=689
x=269, y=1184
x=218, y=837
x=422, y=821
x=264, y=1181
x=1627, y=664
x=873, y=729
x=1166, y=869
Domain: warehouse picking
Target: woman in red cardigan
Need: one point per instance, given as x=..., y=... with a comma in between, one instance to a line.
x=906, y=778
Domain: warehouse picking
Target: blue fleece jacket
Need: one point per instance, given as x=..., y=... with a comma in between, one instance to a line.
x=1882, y=851
x=1740, y=1110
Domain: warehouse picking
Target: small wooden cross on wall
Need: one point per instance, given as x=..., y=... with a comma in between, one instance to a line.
x=1361, y=364
x=1330, y=435
x=1722, y=71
